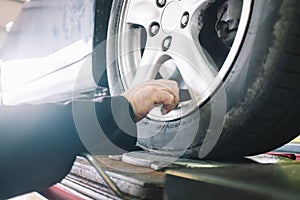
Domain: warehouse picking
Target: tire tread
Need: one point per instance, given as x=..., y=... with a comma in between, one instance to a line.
x=274, y=116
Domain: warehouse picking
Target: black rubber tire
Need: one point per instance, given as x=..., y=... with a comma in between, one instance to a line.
x=262, y=89
x=102, y=13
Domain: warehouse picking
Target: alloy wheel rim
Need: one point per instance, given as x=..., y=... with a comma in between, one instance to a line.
x=149, y=47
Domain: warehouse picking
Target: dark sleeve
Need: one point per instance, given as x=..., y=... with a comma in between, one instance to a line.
x=116, y=118
x=39, y=143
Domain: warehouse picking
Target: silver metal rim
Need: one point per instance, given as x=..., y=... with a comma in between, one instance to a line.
x=171, y=46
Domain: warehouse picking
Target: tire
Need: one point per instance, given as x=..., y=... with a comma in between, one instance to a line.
x=255, y=106
x=102, y=13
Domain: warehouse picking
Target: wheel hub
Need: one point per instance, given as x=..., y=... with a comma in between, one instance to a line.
x=170, y=19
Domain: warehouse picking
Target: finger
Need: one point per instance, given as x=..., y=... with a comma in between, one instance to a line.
x=169, y=86
x=168, y=101
x=165, y=109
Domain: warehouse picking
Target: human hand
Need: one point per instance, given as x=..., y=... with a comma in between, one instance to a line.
x=146, y=95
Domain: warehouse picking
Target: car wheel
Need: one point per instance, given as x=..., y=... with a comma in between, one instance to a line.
x=236, y=63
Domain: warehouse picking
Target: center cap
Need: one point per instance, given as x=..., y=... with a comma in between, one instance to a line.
x=171, y=17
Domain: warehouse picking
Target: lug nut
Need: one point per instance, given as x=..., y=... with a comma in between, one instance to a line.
x=166, y=43
x=185, y=19
x=154, y=28
x=161, y=3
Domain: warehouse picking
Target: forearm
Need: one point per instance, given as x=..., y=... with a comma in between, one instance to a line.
x=118, y=121
x=39, y=143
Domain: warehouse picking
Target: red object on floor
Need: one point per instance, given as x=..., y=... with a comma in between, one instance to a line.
x=56, y=193
x=286, y=155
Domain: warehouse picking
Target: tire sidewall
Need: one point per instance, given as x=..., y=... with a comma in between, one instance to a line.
x=158, y=136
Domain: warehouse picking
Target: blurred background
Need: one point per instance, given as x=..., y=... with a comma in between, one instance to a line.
x=9, y=9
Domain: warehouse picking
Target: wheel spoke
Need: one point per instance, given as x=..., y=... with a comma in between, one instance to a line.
x=143, y=12
x=195, y=66
x=149, y=66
